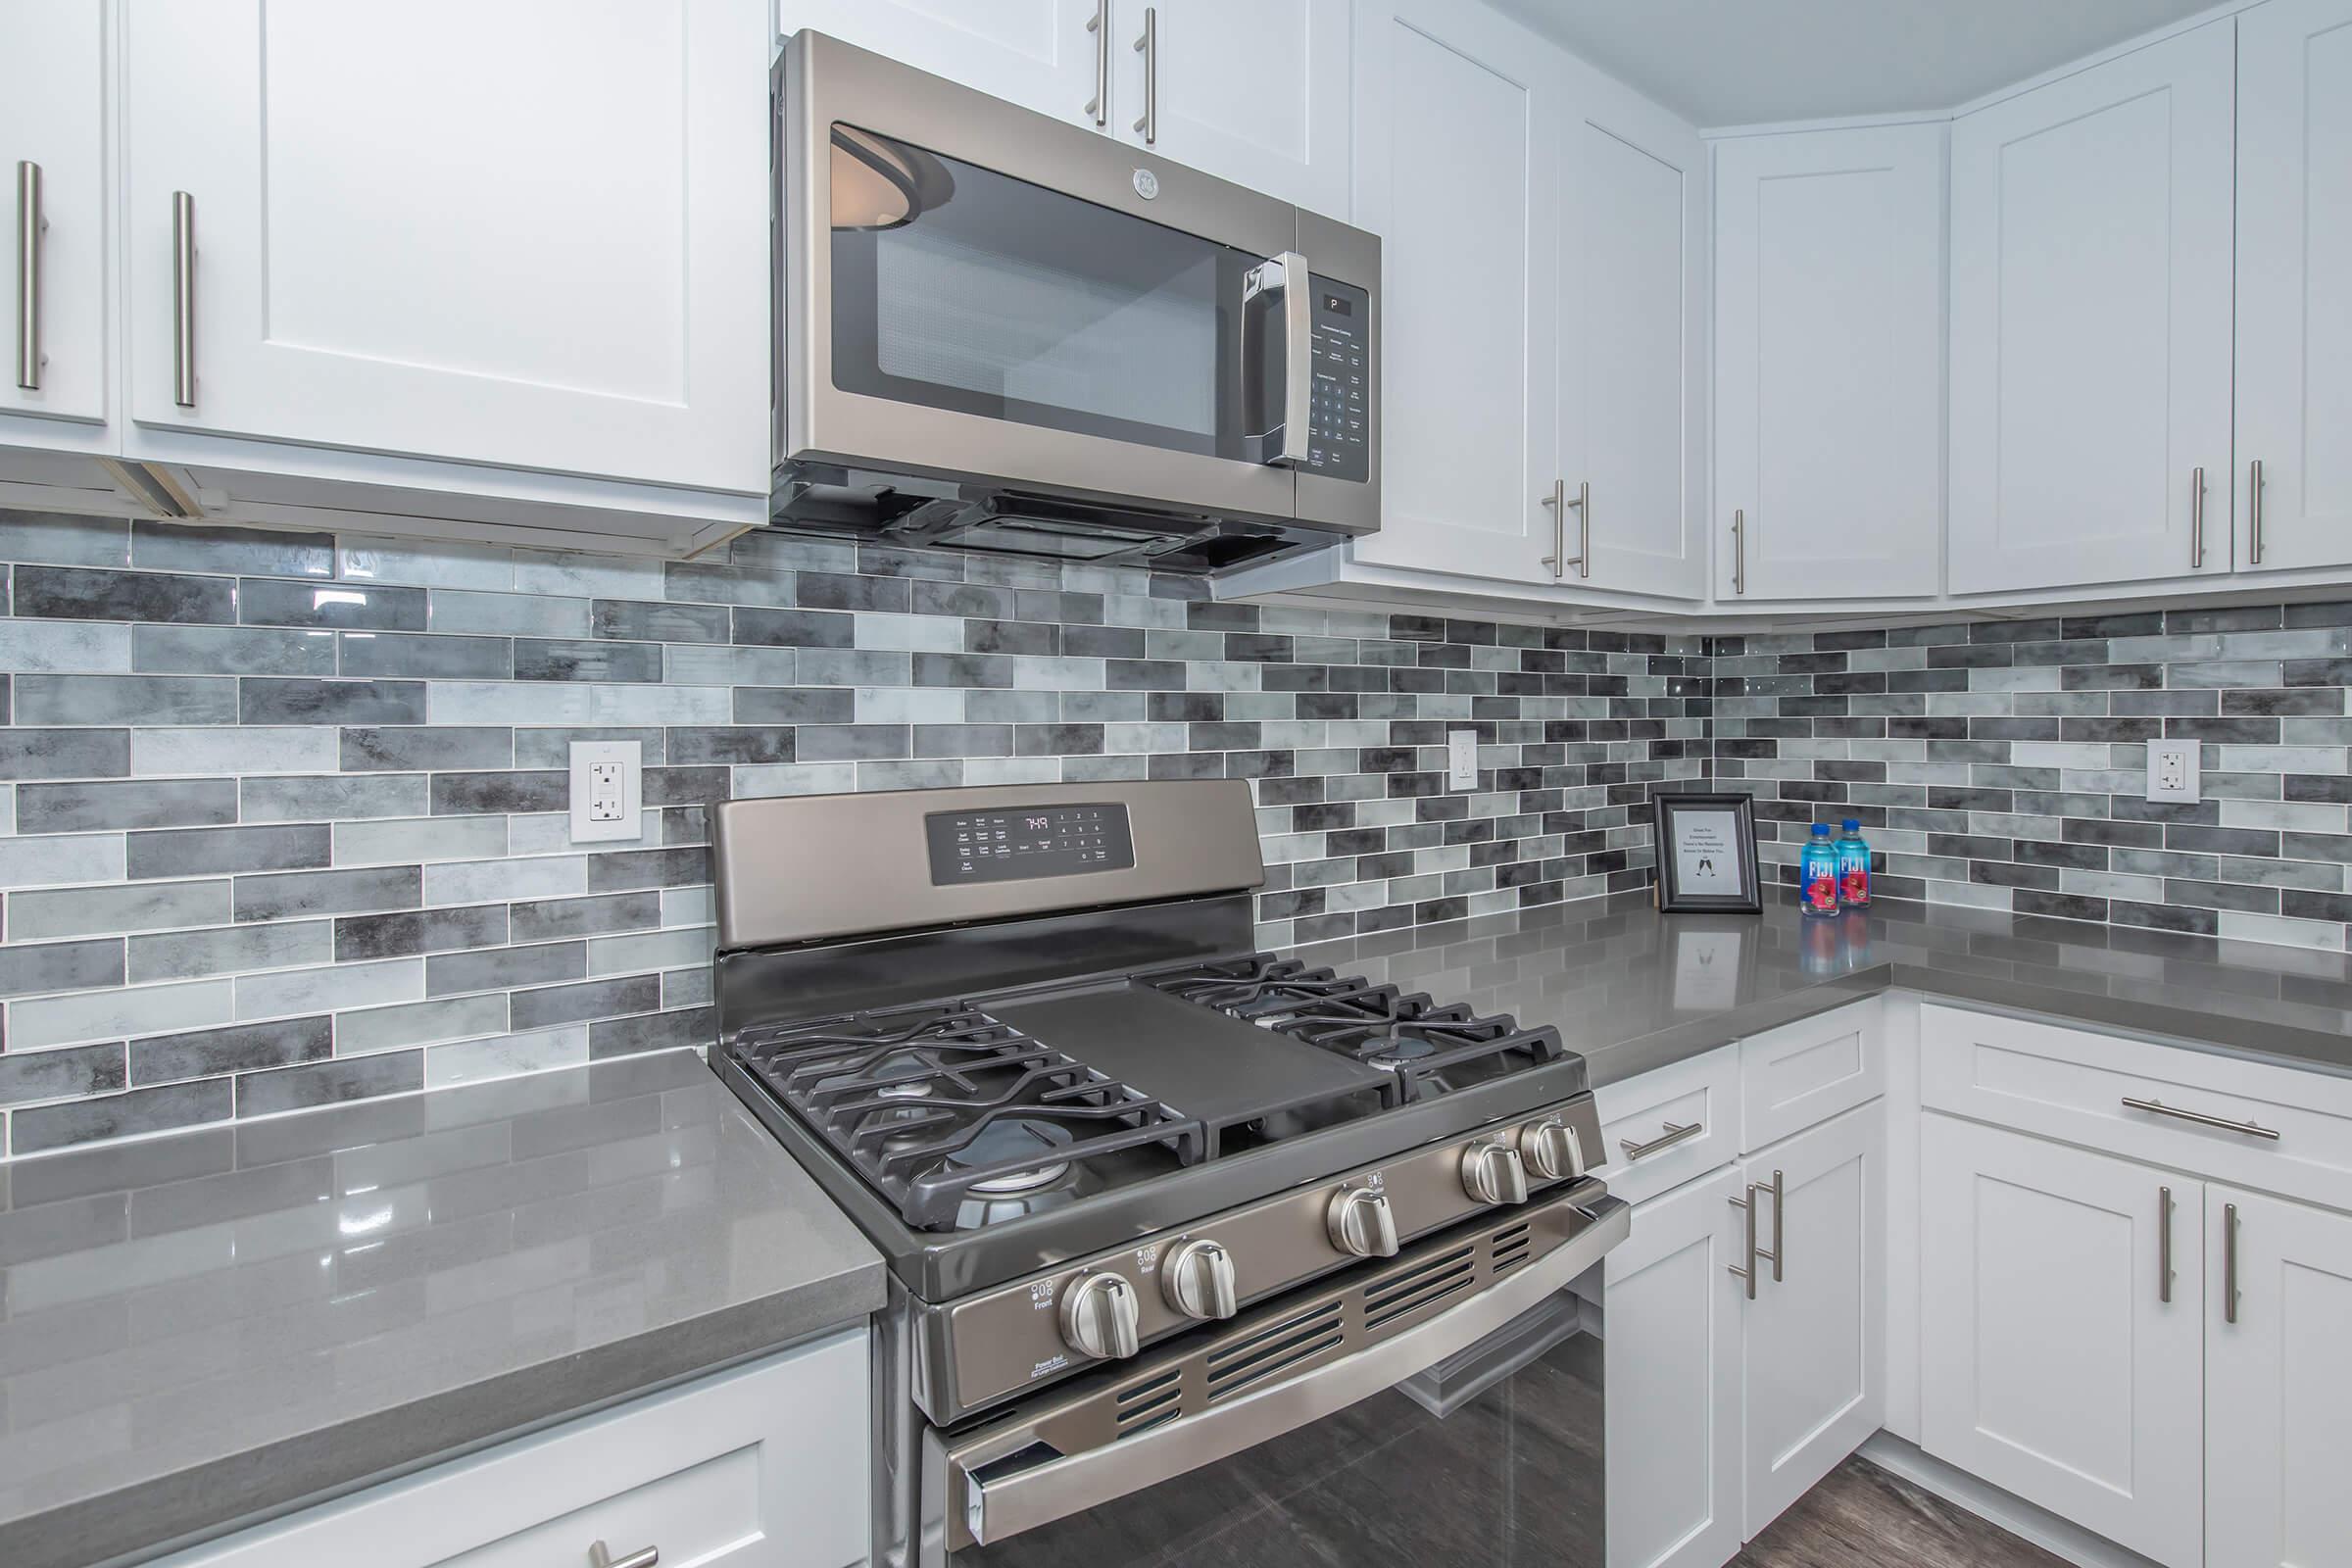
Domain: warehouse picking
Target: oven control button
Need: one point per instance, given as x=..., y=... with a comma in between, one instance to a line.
x=1361, y=1224
x=1553, y=1148
x=1097, y=1317
x=1493, y=1174
x=1197, y=1280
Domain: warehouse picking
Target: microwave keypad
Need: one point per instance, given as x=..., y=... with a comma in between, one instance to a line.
x=1340, y=429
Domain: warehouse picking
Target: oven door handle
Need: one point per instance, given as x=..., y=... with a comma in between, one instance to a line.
x=982, y=1510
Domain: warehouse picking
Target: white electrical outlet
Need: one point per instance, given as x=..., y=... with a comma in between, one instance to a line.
x=2173, y=770
x=1461, y=759
x=607, y=790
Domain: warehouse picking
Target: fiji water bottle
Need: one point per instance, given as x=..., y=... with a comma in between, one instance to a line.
x=1817, y=873
x=1854, y=865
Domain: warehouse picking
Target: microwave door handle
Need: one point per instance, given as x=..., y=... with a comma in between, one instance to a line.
x=1287, y=274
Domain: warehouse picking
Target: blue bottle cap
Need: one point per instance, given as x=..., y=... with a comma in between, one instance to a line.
x=1853, y=824
x=1821, y=830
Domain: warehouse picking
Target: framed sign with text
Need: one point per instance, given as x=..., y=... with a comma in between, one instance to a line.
x=1706, y=852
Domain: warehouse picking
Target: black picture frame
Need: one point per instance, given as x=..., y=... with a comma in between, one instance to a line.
x=1677, y=818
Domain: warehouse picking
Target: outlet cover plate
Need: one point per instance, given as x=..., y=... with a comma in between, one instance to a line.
x=2172, y=771
x=607, y=790
x=1461, y=759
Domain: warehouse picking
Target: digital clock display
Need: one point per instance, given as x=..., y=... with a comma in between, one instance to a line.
x=1012, y=845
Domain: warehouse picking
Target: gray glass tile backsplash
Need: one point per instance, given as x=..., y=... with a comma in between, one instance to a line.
x=281, y=815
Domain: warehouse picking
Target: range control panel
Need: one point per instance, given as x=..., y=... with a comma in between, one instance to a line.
x=1340, y=429
x=1033, y=842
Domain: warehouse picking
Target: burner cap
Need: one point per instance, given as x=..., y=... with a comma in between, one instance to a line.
x=1011, y=1140
x=1402, y=1052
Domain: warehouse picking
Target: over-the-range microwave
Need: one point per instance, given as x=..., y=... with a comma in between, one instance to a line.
x=1000, y=331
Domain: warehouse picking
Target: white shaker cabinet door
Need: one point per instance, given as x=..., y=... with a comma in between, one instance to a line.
x=1253, y=91
x=532, y=234
x=1829, y=363
x=53, y=155
x=1672, y=1349
x=1455, y=170
x=2057, y=1361
x=2278, y=1383
x=1044, y=55
x=2091, y=323
x=2294, y=284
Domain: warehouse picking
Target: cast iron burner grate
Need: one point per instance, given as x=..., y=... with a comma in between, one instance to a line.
x=1430, y=1049
x=940, y=1107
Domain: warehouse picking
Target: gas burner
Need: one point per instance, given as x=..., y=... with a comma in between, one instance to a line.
x=955, y=1117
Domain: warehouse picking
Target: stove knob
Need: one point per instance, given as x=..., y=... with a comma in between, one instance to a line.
x=1492, y=1174
x=1097, y=1317
x=1360, y=1223
x=1553, y=1148
x=1197, y=1280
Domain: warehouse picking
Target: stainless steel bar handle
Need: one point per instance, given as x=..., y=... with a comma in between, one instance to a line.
x=1287, y=275
x=1747, y=1207
x=183, y=299
x=2157, y=1108
x=1149, y=46
x=1098, y=105
x=2164, y=1244
x=1557, y=501
x=30, y=225
x=1672, y=1136
x=1739, y=549
x=2254, y=556
x=1559, y=560
x=601, y=1556
x=1779, y=1202
x=2228, y=1262
x=2196, y=517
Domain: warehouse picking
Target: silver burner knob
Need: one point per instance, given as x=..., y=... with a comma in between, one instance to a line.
x=1492, y=1174
x=1197, y=1280
x=1360, y=1223
x=1097, y=1317
x=1553, y=1148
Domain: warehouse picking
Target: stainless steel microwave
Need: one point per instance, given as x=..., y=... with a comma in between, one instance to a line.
x=998, y=331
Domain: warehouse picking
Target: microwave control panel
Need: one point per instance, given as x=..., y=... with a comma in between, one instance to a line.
x=1340, y=429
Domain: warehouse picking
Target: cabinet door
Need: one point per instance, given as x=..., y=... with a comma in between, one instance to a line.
x=53, y=119
x=1254, y=91
x=1457, y=171
x=2053, y=1364
x=1040, y=54
x=1631, y=261
x=1671, y=1346
x=1814, y=1355
x=1829, y=363
x=2091, y=323
x=2294, y=281
x=545, y=249
x=2278, y=1383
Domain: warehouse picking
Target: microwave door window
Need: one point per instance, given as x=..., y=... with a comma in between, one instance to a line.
x=955, y=287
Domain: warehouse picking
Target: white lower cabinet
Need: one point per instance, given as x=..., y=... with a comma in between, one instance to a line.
x=767, y=1467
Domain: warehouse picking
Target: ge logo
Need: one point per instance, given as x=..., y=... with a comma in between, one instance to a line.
x=1147, y=184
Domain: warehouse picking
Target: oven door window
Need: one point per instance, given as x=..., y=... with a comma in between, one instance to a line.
x=955, y=287
x=1512, y=1476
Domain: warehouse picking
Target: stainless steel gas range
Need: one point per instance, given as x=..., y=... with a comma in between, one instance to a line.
x=1195, y=1252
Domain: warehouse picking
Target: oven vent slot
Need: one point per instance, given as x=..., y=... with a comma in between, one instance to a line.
x=1511, y=1249
x=1147, y=1404
x=1264, y=1355
x=1430, y=1293
x=1403, y=1284
x=1443, y=1275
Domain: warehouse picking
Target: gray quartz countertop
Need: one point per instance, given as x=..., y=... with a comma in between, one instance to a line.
x=1634, y=989
x=201, y=1330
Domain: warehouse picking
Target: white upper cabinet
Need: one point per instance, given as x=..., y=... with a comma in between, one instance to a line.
x=1456, y=170
x=2294, y=283
x=1630, y=357
x=543, y=247
x=2091, y=323
x=1041, y=54
x=53, y=150
x=1829, y=363
x=1254, y=91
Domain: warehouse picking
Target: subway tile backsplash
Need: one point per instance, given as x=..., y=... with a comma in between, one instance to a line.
x=282, y=816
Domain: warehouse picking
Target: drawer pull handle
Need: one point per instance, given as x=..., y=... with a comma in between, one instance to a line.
x=2157, y=1108
x=600, y=1556
x=1672, y=1136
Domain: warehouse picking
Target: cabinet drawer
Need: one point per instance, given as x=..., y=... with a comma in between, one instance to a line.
x=1650, y=1113
x=2073, y=1084
x=766, y=1467
x=1802, y=1074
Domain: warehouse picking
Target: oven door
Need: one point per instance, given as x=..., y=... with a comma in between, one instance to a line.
x=1291, y=1434
x=972, y=290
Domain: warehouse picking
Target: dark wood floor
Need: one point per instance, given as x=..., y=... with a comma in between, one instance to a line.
x=1861, y=1516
